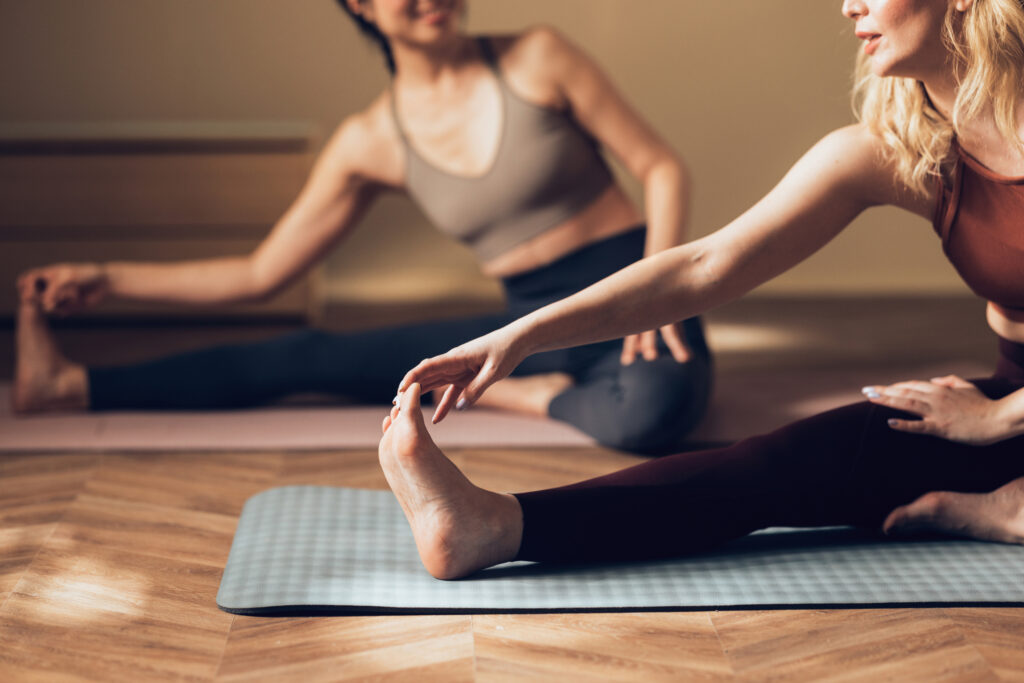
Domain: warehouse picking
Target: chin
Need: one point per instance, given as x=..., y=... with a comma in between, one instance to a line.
x=887, y=69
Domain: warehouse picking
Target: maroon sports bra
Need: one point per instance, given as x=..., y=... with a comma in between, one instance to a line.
x=980, y=219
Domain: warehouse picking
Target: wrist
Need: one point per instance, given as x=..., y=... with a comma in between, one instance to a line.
x=1009, y=415
x=526, y=335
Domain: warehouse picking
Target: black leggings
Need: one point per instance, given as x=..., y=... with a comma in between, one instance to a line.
x=842, y=467
x=643, y=407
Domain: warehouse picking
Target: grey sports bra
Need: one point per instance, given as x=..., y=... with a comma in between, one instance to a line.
x=546, y=170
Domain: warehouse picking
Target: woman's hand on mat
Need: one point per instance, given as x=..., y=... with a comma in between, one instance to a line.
x=646, y=344
x=64, y=288
x=466, y=371
x=950, y=408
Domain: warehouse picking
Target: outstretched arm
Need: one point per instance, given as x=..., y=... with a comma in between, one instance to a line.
x=333, y=199
x=837, y=179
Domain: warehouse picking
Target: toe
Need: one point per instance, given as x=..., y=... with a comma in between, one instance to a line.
x=895, y=521
x=411, y=412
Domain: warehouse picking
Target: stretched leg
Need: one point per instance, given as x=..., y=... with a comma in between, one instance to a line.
x=660, y=508
x=366, y=366
x=43, y=378
x=841, y=467
x=645, y=407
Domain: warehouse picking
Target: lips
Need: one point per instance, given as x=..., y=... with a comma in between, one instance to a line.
x=435, y=16
x=870, y=41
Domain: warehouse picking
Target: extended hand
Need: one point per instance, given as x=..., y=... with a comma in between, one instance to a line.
x=950, y=408
x=64, y=288
x=646, y=344
x=466, y=370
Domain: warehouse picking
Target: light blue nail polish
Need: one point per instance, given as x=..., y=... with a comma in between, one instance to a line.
x=870, y=392
x=461, y=405
x=892, y=422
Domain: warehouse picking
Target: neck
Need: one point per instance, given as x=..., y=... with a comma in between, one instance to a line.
x=427, y=65
x=942, y=90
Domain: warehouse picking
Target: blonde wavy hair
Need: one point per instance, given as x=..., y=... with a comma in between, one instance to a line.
x=987, y=46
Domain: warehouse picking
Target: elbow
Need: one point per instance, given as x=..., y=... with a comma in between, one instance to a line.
x=670, y=168
x=704, y=271
x=261, y=285
x=262, y=292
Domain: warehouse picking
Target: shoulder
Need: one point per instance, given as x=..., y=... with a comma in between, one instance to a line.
x=536, y=44
x=857, y=160
x=367, y=145
x=539, y=61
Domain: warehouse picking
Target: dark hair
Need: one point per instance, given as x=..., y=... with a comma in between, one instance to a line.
x=370, y=29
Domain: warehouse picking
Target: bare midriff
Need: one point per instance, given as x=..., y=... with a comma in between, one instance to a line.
x=1008, y=323
x=610, y=214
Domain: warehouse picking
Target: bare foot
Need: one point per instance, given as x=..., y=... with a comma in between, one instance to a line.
x=996, y=516
x=43, y=378
x=459, y=528
x=531, y=395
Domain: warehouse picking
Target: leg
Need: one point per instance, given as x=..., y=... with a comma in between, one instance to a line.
x=43, y=378
x=663, y=507
x=645, y=407
x=843, y=467
x=366, y=366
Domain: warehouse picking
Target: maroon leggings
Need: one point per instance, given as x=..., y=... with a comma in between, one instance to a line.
x=842, y=467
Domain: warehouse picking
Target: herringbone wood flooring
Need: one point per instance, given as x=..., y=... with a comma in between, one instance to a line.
x=110, y=563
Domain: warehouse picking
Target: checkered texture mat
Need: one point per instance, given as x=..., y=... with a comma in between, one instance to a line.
x=310, y=549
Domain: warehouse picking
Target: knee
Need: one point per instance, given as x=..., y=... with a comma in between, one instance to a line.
x=656, y=410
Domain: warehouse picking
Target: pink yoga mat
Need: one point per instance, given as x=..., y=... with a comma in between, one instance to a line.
x=273, y=428
x=745, y=403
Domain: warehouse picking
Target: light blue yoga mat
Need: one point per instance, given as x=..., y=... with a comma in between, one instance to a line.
x=310, y=549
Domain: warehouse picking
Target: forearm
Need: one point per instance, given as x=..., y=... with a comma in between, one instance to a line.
x=667, y=204
x=211, y=281
x=672, y=285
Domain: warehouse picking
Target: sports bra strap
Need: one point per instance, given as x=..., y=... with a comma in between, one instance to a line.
x=487, y=52
x=394, y=113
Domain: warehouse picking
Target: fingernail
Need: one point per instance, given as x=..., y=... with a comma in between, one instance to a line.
x=870, y=392
x=461, y=405
x=892, y=421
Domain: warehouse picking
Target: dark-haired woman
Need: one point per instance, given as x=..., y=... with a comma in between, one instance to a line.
x=497, y=139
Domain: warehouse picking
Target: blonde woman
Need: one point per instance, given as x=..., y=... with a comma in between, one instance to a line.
x=499, y=139
x=941, y=136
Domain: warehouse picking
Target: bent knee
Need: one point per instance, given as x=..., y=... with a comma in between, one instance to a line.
x=657, y=414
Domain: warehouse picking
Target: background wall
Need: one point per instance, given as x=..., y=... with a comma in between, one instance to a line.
x=741, y=88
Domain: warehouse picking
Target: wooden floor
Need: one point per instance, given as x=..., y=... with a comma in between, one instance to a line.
x=110, y=564
x=109, y=568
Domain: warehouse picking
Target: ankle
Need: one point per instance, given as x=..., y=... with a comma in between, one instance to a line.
x=510, y=527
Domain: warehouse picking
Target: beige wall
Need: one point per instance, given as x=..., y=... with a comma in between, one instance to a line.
x=741, y=88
